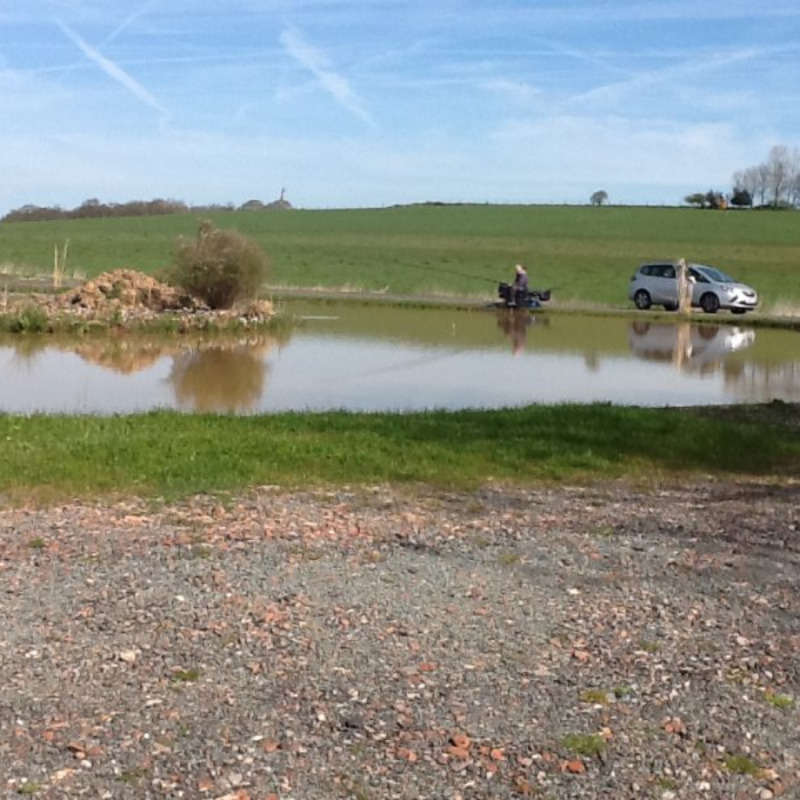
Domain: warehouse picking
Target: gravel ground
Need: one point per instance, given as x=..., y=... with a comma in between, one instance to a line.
x=580, y=642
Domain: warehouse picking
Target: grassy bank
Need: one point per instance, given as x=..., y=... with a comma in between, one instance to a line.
x=169, y=454
x=588, y=254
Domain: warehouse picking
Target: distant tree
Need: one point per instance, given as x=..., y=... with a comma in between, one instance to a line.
x=709, y=199
x=91, y=208
x=714, y=199
x=599, y=198
x=252, y=205
x=741, y=197
x=772, y=182
x=696, y=199
x=748, y=182
x=794, y=190
x=783, y=165
x=762, y=170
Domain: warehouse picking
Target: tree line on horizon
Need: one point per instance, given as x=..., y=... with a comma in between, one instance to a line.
x=94, y=209
x=775, y=183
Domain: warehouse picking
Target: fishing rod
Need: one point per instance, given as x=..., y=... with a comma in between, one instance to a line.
x=505, y=289
x=454, y=272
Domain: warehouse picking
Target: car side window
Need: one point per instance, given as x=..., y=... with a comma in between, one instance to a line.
x=668, y=271
x=698, y=276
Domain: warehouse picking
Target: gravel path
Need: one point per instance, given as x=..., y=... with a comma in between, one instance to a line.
x=595, y=642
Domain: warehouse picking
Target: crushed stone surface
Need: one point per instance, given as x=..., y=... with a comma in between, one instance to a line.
x=578, y=642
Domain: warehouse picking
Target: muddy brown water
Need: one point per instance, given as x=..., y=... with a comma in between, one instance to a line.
x=374, y=358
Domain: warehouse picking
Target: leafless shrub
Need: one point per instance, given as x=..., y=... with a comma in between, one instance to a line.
x=220, y=266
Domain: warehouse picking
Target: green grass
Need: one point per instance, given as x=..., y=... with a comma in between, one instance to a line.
x=169, y=454
x=588, y=254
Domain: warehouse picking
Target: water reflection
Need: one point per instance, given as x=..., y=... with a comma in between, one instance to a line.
x=120, y=354
x=220, y=378
x=370, y=358
x=515, y=325
x=690, y=347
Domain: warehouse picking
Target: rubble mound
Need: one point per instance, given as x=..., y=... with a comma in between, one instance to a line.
x=126, y=289
x=125, y=297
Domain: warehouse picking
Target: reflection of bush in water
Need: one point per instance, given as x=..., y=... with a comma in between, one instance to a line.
x=219, y=378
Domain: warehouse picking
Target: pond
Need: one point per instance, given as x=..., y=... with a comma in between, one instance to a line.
x=375, y=358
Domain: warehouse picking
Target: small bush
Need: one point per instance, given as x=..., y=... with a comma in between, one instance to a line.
x=220, y=267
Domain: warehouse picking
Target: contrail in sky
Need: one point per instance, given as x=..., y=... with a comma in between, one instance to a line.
x=314, y=61
x=114, y=71
x=130, y=20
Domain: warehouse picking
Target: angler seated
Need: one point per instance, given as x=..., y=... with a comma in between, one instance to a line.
x=520, y=286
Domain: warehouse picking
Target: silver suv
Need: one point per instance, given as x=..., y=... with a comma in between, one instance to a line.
x=656, y=284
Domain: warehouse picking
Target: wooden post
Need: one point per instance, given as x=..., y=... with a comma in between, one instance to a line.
x=684, y=287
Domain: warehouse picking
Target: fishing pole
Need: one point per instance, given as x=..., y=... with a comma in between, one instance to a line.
x=453, y=272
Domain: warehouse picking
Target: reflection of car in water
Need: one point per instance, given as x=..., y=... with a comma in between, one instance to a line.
x=692, y=347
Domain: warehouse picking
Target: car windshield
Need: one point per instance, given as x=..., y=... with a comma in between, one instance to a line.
x=713, y=274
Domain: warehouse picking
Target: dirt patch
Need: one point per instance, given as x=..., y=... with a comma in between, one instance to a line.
x=579, y=642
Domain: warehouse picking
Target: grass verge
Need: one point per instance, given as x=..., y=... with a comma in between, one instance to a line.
x=47, y=458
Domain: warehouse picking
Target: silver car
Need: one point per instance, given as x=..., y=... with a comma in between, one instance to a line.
x=656, y=284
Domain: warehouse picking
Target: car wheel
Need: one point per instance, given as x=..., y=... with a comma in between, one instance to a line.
x=709, y=303
x=642, y=300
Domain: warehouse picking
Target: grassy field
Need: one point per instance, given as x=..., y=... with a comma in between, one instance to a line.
x=588, y=254
x=51, y=458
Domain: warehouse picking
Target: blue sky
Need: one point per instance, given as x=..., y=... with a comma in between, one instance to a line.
x=351, y=103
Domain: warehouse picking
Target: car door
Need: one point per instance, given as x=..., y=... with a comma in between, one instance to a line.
x=700, y=285
x=665, y=285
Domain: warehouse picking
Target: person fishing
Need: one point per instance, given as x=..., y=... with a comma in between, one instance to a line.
x=520, y=286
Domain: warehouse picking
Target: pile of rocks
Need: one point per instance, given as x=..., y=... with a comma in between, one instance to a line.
x=127, y=289
x=125, y=296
